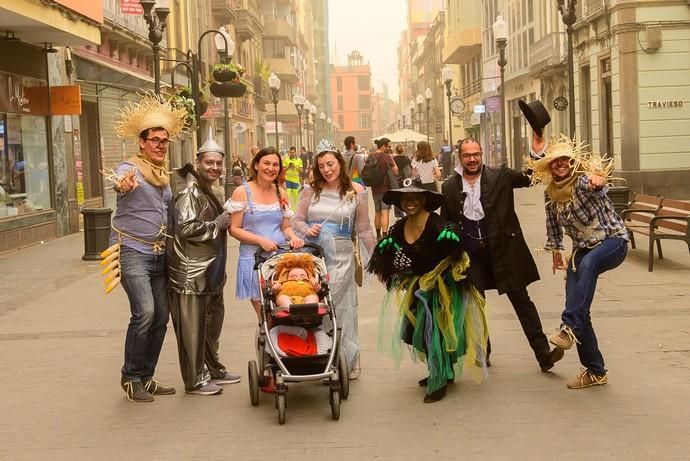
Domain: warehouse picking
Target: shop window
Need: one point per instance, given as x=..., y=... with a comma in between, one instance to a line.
x=24, y=169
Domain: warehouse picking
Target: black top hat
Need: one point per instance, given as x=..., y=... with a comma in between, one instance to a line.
x=536, y=114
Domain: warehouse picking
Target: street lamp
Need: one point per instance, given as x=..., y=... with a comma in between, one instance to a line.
x=427, y=96
x=226, y=49
x=312, y=115
x=330, y=129
x=500, y=28
x=305, y=111
x=155, y=17
x=569, y=18
x=420, y=106
x=411, y=107
x=274, y=84
x=447, y=77
x=322, y=116
x=298, y=101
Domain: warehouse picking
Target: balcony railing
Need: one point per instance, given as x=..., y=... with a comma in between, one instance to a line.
x=471, y=88
x=546, y=51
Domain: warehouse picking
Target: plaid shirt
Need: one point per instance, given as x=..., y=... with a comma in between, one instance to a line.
x=587, y=220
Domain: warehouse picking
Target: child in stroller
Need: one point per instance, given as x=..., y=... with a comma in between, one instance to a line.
x=295, y=301
x=296, y=282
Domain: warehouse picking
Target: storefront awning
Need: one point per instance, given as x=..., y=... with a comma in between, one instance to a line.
x=38, y=23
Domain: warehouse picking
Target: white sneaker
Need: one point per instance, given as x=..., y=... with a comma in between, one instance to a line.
x=207, y=389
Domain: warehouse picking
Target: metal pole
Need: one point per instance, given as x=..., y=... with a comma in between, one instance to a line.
x=156, y=69
x=275, y=121
x=571, y=81
x=428, y=107
x=299, y=126
x=450, y=114
x=501, y=43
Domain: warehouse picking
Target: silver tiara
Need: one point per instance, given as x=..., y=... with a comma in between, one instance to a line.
x=325, y=146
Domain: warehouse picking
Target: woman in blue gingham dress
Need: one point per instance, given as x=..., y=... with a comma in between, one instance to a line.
x=260, y=218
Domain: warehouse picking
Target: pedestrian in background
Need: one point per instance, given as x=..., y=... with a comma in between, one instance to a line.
x=382, y=210
x=404, y=165
x=140, y=227
x=196, y=272
x=293, y=166
x=425, y=166
x=577, y=206
x=480, y=199
x=446, y=154
x=354, y=159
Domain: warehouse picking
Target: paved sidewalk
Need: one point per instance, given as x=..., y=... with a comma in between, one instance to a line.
x=61, y=343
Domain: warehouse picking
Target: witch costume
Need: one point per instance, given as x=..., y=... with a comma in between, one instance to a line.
x=440, y=314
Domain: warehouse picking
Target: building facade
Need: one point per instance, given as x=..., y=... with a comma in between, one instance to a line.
x=38, y=195
x=352, y=98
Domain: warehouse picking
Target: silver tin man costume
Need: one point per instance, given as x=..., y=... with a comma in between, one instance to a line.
x=197, y=254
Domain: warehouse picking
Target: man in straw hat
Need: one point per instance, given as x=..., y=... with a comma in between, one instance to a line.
x=196, y=270
x=577, y=205
x=480, y=198
x=140, y=227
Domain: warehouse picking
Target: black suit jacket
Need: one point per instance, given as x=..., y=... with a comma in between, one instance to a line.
x=512, y=263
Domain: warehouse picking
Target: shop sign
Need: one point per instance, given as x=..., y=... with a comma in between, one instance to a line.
x=665, y=104
x=80, y=193
x=479, y=109
x=493, y=104
x=23, y=95
x=271, y=127
x=65, y=100
x=131, y=7
x=213, y=111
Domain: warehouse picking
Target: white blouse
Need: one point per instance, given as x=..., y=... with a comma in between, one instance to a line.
x=425, y=170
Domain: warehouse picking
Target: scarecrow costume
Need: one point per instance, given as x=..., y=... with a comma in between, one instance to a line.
x=575, y=207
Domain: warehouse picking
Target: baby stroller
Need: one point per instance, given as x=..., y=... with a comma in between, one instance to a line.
x=326, y=364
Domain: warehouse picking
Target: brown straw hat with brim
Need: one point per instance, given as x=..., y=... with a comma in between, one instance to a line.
x=433, y=199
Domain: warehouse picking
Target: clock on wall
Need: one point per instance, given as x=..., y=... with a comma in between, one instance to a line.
x=457, y=105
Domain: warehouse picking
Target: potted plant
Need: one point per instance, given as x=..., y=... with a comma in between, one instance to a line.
x=182, y=97
x=227, y=72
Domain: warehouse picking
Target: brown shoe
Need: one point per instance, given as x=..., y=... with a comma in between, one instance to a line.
x=564, y=339
x=155, y=388
x=435, y=396
x=587, y=379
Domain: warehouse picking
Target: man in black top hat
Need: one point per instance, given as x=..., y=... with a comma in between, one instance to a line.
x=480, y=199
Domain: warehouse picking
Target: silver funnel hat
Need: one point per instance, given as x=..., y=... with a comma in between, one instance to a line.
x=210, y=145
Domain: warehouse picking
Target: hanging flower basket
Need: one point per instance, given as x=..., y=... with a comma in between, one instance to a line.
x=228, y=89
x=224, y=75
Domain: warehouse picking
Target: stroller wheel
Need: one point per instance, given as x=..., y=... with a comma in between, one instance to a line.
x=335, y=404
x=344, y=377
x=253, y=382
x=281, y=403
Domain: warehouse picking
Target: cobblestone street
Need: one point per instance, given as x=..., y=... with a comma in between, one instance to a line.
x=61, y=342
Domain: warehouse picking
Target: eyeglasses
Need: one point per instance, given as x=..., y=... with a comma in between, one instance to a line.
x=469, y=155
x=159, y=142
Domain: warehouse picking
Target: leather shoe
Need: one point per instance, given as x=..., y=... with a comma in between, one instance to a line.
x=554, y=356
x=436, y=395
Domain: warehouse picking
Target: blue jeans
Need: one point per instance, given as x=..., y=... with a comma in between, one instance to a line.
x=144, y=279
x=580, y=286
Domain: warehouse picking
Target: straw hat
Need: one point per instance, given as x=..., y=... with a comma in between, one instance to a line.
x=151, y=111
x=581, y=159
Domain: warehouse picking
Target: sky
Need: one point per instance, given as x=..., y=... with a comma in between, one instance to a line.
x=373, y=28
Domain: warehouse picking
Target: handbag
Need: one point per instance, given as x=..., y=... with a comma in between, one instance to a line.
x=359, y=273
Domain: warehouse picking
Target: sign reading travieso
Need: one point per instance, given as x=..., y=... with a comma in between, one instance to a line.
x=667, y=104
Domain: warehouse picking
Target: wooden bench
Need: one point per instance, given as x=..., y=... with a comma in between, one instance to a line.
x=669, y=221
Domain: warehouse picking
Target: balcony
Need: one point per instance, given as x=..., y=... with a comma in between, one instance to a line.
x=132, y=24
x=225, y=10
x=462, y=45
x=280, y=28
x=547, y=53
x=283, y=69
x=471, y=89
x=126, y=32
x=249, y=22
x=287, y=112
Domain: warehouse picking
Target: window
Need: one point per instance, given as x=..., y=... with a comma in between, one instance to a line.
x=364, y=102
x=586, y=105
x=341, y=121
x=340, y=103
x=364, y=121
x=24, y=172
x=339, y=83
x=363, y=82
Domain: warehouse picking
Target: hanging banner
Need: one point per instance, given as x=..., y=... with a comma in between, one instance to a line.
x=131, y=7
